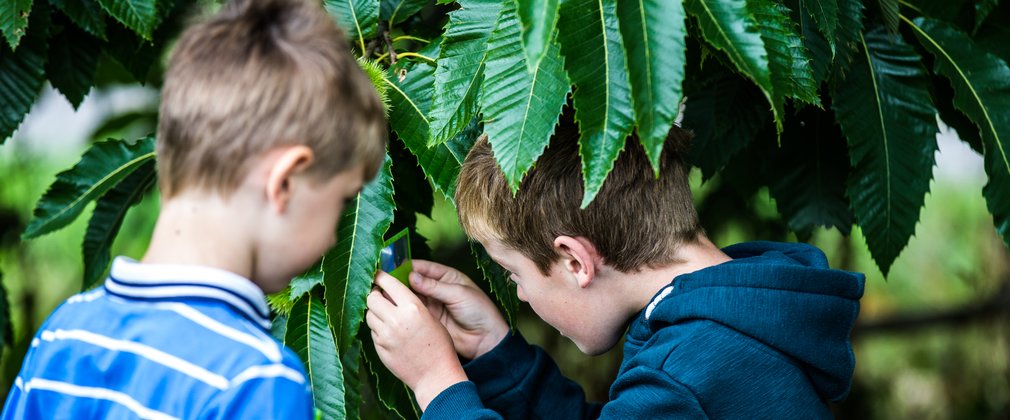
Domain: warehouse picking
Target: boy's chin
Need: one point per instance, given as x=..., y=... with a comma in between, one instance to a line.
x=595, y=346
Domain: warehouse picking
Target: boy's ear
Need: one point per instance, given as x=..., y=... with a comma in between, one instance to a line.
x=579, y=258
x=283, y=166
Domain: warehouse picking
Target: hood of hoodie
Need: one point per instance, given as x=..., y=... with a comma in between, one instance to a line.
x=781, y=294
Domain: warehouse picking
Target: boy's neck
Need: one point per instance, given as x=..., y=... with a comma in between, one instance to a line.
x=198, y=228
x=641, y=286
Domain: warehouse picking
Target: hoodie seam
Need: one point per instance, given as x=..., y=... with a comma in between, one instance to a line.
x=686, y=290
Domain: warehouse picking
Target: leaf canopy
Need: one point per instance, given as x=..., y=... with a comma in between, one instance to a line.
x=460, y=70
x=594, y=58
x=537, y=18
x=885, y=111
x=520, y=108
x=308, y=334
x=100, y=169
x=139, y=15
x=358, y=18
x=22, y=74
x=72, y=63
x=14, y=20
x=653, y=31
x=107, y=218
x=981, y=84
x=348, y=268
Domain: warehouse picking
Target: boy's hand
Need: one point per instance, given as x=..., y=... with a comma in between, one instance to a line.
x=471, y=318
x=412, y=344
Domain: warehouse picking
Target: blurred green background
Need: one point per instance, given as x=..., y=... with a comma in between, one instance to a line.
x=932, y=340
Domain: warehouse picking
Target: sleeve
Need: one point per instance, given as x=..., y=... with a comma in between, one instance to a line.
x=268, y=398
x=651, y=393
x=515, y=380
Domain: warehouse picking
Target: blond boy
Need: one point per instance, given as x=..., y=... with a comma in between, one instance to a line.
x=755, y=330
x=266, y=127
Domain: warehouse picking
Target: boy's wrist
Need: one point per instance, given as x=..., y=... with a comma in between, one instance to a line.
x=427, y=388
x=491, y=340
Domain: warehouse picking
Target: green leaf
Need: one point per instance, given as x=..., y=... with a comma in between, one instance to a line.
x=520, y=108
x=107, y=218
x=537, y=18
x=351, y=359
x=393, y=394
x=100, y=169
x=825, y=15
x=889, y=12
x=358, y=18
x=992, y=37
x=594, y=58
x=982, y=91
x=306, y=281
x=14, y=20
x=139, y=15
x=460, y=69
x=787, y=57
x=21, y=78
x=73, y=60
x=279, y=325
x=86, y=14
x=396, y=11
x=820, y=47
x=130, y=50
x=982, y=10
x=308, y=334
x=808, y=173
x=718, y=96
x=943, y=98
x=497, y=279
x=348, y=268
x=410, y=98
x=850, y=26
x=729, y=26
x=885, y=111
x=653, y=32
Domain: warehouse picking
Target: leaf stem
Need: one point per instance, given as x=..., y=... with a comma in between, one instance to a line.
x=414, y=54
x=910, y=6
x=411, y=38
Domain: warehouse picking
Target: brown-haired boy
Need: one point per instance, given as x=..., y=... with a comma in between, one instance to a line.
x=267, y=126
x=755, y=330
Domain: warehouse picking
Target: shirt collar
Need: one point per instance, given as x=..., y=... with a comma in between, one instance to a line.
x=131, y=279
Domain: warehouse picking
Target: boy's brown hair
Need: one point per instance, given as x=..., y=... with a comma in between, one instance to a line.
x=635, y=221
x=258, y=75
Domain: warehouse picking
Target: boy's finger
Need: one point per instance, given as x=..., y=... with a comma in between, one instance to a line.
x=372, y=320
x=434, y=289
x=399, y=293
x=429, y=269
x=378, y=303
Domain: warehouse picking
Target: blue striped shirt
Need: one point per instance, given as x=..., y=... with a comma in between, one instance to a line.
x=161, y=342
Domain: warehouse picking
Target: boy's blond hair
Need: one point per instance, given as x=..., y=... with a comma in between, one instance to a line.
x=258, y=75
x=635, y=221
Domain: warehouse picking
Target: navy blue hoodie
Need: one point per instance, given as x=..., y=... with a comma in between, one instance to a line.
x=765, y=335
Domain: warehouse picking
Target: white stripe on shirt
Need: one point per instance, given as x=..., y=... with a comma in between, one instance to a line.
x=268, y=371
x=147, y=352
x=96, y=393
x=266, y=345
